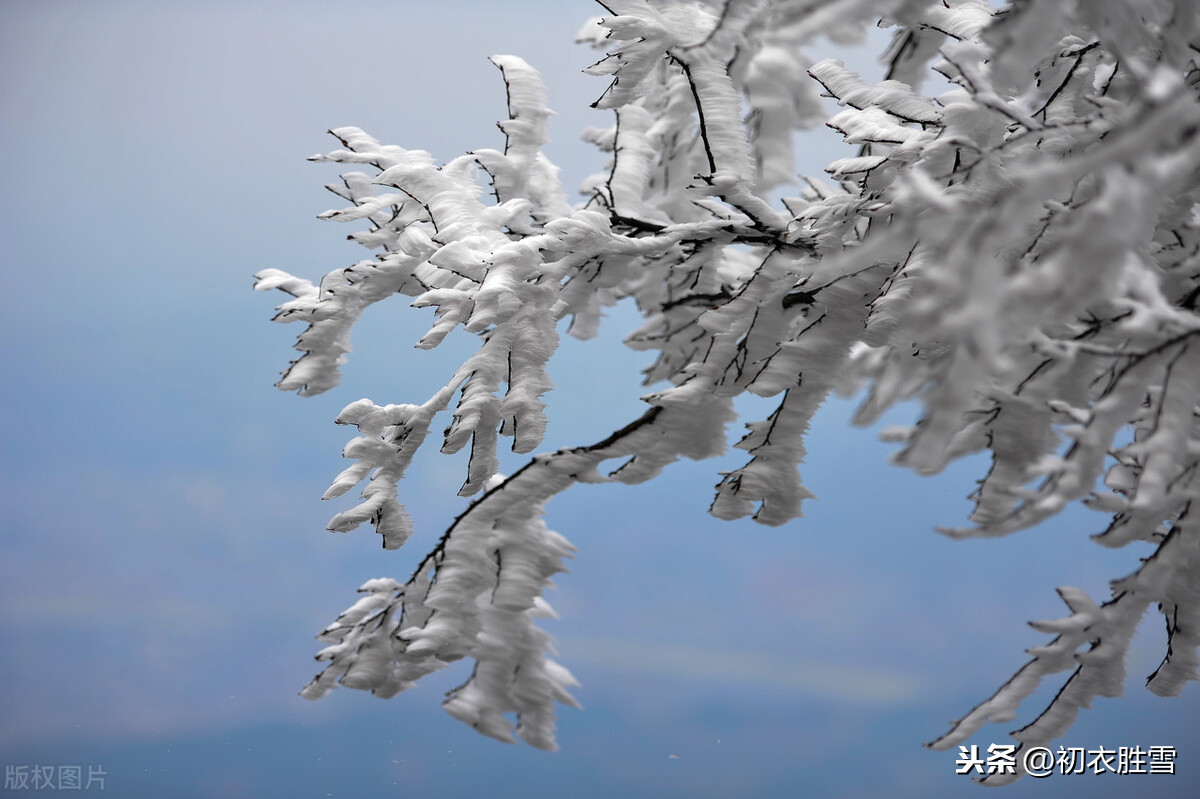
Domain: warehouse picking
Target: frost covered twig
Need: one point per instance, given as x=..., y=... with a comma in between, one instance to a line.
x=1020, y=255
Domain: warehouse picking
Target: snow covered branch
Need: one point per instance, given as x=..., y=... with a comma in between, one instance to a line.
x=1019, y=254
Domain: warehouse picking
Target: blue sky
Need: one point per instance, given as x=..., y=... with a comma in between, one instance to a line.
x=163, y=559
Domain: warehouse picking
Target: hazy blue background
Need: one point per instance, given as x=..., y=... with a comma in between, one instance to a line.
x=163, y=564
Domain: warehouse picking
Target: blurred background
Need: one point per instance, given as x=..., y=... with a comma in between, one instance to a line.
x=163, y=560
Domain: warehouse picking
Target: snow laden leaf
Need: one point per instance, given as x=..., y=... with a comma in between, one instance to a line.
x=1017, y=255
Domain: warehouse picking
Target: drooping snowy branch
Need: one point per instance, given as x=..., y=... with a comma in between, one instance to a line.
x=1020, y=255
